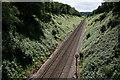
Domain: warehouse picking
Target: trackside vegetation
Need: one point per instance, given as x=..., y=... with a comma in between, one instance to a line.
x=31, y=32
x=101, y=46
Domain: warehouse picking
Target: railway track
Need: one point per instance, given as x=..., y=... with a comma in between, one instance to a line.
x=60, y=62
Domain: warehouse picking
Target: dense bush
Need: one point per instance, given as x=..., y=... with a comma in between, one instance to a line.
x=103, y=16
x=88, y=35
x=103, y=29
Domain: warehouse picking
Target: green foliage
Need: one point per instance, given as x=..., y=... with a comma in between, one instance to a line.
x=9, y=15
x=101, y=51
x=88, y=35
x=85, y=13
x=103, y=29
x=30, y=33
x=102, y=16
x=59, y=8
x=12, y=70
x=107, y=7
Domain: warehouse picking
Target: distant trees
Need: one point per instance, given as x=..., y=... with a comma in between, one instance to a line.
x=40, y=9
x=106, y=7
x=85, y=13
x=59, y=8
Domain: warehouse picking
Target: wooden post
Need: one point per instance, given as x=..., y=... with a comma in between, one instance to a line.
x=76, y=57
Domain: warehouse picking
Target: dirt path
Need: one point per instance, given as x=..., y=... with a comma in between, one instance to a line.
x=62, y=63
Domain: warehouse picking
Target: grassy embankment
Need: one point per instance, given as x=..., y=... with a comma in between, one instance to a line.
x=25, y=53
x=101, y=52
x=30, y=34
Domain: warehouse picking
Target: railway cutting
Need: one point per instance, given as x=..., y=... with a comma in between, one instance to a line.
x=62, y=63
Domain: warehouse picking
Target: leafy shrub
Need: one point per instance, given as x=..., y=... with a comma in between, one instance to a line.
x=103, y=29
x=96, y=20
x=12, y=70
x=107, y=70
x=88, y=35
x=102, y=16
x=113, y=23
